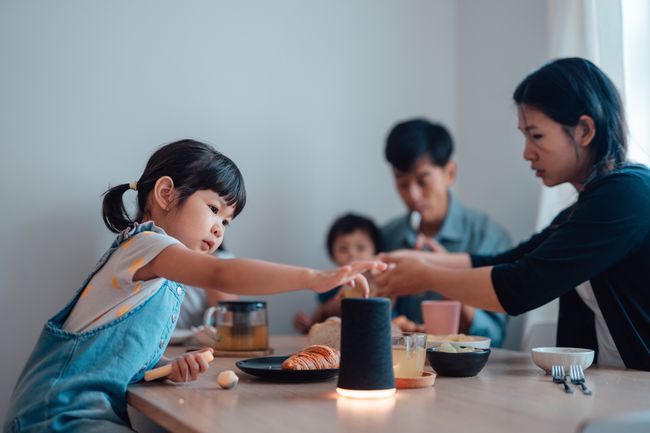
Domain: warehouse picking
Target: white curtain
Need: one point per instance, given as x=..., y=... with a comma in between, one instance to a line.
x=636, y=60
x=591, y=29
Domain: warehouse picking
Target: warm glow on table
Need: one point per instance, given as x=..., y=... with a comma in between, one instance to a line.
x=364, y=394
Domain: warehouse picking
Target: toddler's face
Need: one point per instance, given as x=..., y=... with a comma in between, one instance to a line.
x=201, y=221
x=351, y=247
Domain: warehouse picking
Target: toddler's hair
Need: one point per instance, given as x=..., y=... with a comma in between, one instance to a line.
x=349, y=223
x=193, y=166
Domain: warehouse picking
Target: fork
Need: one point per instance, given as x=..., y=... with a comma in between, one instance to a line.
x=578, y=378
x=557, y=372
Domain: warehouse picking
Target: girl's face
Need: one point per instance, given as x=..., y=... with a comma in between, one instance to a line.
x=351, y=247
x=555, y=155
x=200, y=222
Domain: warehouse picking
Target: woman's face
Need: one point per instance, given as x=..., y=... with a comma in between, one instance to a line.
x=555, y=155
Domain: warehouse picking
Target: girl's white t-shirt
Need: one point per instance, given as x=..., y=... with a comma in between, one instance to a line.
x=607, y=352
x=111, y=292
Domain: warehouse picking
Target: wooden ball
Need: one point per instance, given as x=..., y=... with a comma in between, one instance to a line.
x=227, y=379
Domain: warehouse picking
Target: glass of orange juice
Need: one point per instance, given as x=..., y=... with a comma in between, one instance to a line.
x=409, y=353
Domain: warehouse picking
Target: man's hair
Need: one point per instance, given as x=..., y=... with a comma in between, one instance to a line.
x=410, y=140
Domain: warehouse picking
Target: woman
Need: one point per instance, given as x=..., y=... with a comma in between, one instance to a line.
x=595, y=254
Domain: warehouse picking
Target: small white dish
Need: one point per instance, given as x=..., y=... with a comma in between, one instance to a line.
x=545, y=357
x=474, y=341
x=180, y=336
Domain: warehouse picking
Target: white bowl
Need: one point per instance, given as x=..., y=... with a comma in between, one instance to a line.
x=545, y=357
x=476, y=341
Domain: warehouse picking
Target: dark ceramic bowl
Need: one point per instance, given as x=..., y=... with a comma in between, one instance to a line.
x=463, y=364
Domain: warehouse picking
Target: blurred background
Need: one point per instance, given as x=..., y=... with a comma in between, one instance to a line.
x=300, y=94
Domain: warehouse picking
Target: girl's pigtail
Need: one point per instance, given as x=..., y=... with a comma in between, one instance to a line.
x=114, y=213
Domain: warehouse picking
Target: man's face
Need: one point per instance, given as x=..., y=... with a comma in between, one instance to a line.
x=424, y=188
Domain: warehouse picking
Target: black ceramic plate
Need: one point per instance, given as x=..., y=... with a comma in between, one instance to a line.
x=270, y=368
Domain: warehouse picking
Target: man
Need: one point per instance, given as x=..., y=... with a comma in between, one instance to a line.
x=420, y=155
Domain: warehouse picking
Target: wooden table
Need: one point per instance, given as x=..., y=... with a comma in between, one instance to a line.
x=511, y=394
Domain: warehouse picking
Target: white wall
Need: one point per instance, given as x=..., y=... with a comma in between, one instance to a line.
x=499, y=43
x=300, y=94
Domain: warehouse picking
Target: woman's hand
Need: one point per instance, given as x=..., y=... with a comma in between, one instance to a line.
x=188, y=367
x=351, y=275
x=407, y=274
x=426, y=256
x=443, y=259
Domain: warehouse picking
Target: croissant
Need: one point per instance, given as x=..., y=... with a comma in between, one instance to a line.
x=316, y=357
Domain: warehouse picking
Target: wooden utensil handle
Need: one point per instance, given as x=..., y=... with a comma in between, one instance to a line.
x=166, y=370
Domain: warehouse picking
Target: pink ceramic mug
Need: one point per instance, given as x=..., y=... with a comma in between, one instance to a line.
x=441, y=317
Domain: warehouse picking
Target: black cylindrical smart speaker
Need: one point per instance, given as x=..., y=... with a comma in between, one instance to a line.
x=366, y=367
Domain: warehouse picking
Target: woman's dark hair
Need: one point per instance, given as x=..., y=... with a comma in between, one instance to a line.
x=566, y=89
x=410, y=140
x=349, y=223
x=193, y=166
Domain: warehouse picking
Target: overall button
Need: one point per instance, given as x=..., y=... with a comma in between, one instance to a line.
x=179, y=290
x=161, y=344
x=173, y=318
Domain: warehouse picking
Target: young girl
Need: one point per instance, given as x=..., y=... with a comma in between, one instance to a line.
x=594, y=256
x=118, y=324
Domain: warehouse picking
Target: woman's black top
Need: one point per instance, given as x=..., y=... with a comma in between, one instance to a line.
x=604, y=238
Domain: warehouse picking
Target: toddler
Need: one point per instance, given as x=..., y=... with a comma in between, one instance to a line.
x=351, y=238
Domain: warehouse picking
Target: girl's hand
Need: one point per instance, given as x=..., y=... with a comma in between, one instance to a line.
x=406, y=275
x=187, y=367
x=351, y=275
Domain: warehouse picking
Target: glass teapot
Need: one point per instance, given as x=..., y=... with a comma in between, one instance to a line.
x=239, y=325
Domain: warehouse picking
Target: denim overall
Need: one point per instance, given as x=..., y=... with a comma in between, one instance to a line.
x=76, y=382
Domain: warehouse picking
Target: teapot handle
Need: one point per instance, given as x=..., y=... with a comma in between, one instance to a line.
x=207, y=315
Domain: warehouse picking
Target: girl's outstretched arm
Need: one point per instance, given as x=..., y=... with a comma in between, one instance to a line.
x=249, y=277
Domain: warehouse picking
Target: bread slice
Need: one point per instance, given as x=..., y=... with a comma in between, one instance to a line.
x=327, y=333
